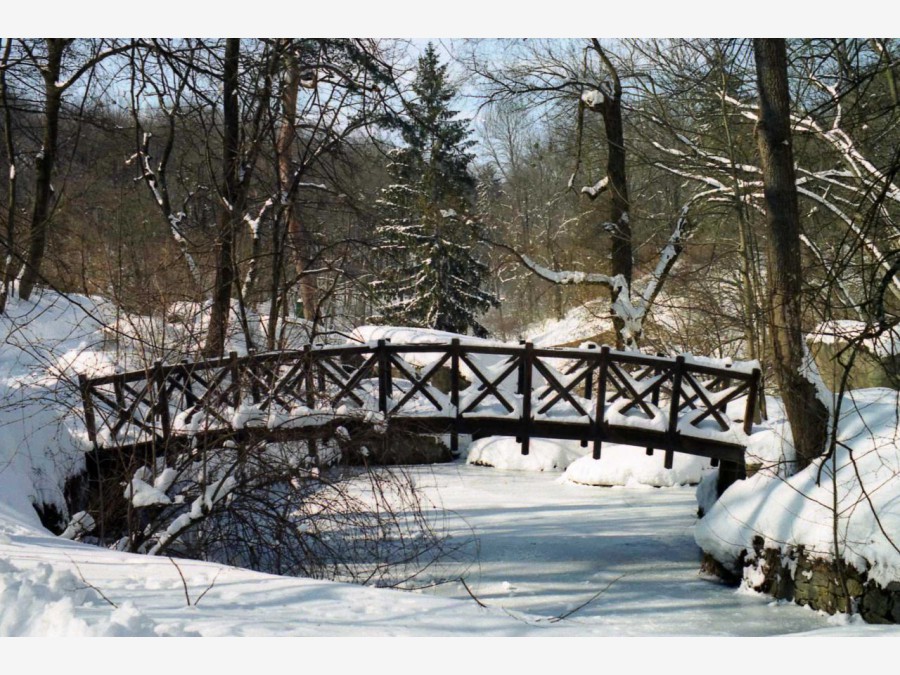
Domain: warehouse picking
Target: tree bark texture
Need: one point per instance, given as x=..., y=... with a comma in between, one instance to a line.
x=300, y=236
x=229, y=209
x=43, y=188
x=806, y=413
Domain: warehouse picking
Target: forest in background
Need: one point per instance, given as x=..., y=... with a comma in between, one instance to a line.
x=122, y=159
x=335, y=182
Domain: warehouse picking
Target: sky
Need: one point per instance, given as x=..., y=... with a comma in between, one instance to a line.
x=412, y=18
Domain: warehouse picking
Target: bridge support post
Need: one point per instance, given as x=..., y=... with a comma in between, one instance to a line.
x=454, y=395
x=600, y=404
x=527, y=372
x=729, y=472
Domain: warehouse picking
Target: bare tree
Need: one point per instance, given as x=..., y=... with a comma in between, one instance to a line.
x=231, y=206
x=807, y=414
x=48, y=58
x=550, y=75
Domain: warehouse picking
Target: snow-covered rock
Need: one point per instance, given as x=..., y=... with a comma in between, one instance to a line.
x=847, y=504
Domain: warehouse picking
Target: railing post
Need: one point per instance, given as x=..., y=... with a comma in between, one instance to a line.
x=589, y=383
x=674, y=405
x=589, y=380
x=528, y=361
x=320, y=381
x=454, y=395
x=311, y=444
x=752, y=401
x=308, y=377
x=654, y=397
x=162, y=399
x=235, y=379
x=90, y=421
x=253, y=373
x=520, y=381
x=383, y=383
x=600, y=404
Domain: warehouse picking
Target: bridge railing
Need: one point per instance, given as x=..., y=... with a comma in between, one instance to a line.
x=590, y=394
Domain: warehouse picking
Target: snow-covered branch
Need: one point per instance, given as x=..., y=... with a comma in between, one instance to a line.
x=595, y=190
x=630, y=310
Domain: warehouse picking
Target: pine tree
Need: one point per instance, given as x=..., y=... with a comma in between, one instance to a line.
x=428, y=234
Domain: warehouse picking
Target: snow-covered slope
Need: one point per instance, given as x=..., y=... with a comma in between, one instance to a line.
x=53, y=586
x=580, y=323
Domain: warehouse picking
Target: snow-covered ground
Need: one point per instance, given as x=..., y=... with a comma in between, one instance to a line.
x=544, y=548
x=545, y=555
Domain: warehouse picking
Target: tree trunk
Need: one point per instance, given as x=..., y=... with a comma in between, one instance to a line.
x=230, y=209
x=300, y=236
x=10, y=268
x=43, y=189
x=620, y=224
x=618, y=219
x=808, y=416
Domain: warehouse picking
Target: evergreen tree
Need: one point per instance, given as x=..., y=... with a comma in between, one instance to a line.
x=428, y=234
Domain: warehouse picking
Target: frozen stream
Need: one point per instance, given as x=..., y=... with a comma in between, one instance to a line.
x=546, y=547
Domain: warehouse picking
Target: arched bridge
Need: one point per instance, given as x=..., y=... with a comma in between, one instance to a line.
x=593, y=395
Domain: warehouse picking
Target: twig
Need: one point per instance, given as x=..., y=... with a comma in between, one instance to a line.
x=584, y=604
x=90, y=585
x=208, y=588
x=183, y=580
x=471, y=594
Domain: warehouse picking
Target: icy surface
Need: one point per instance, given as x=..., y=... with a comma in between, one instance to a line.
x=544, y=548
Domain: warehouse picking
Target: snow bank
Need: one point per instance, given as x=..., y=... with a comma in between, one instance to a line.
x=44, y=343
x=619, y=464
x=855, y=493
x=632, y=467
x=580, y=323
x=42, y=601
x=505, y=453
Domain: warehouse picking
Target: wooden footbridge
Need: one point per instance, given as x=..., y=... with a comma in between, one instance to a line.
x=594, y=395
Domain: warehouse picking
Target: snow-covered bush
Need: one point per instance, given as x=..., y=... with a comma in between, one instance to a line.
x=277, y=509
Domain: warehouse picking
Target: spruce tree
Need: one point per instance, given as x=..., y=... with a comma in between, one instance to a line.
x=428, y=235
